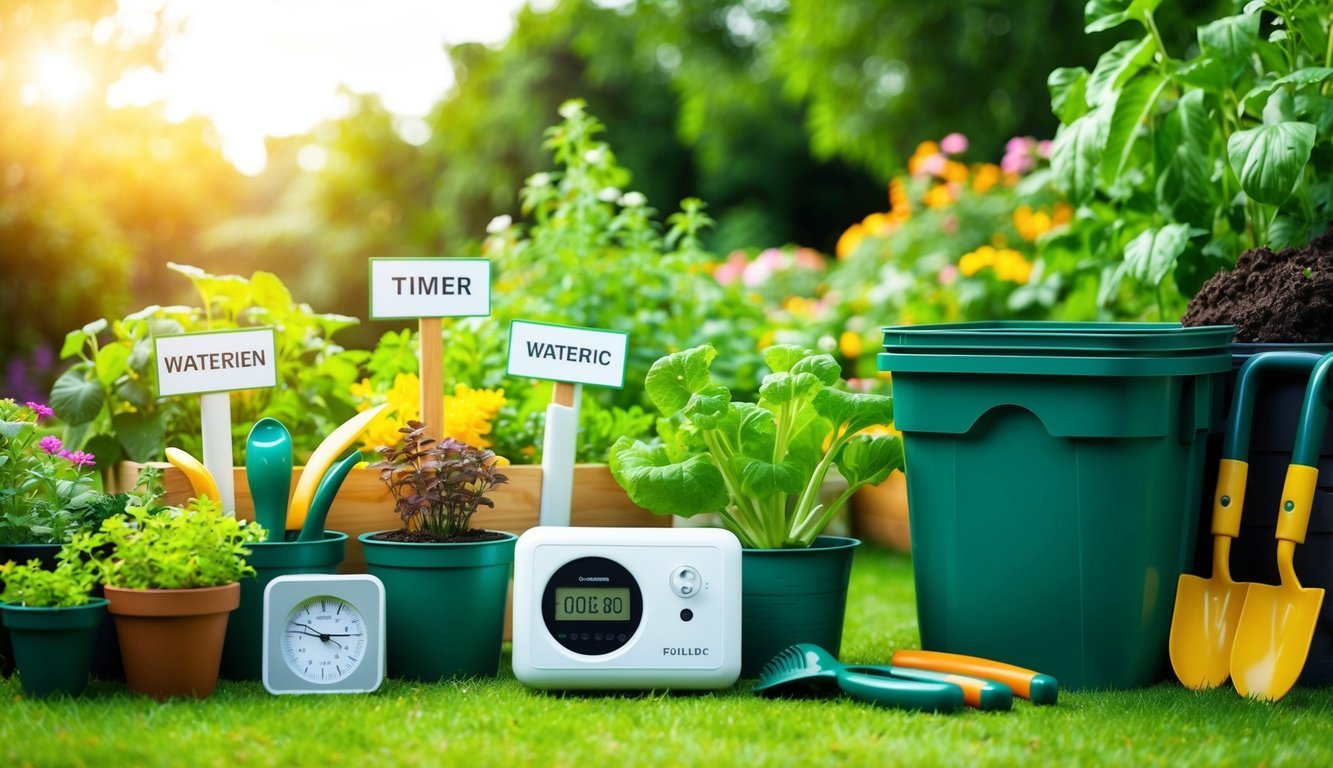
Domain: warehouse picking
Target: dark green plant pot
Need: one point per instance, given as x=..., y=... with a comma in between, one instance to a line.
x=444, y=605
x=21, y=553
x=793, y=596
x=242, y=654
x=53, y=647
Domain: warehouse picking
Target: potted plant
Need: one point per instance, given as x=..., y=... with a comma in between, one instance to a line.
x=171, y=578
x=53, y=622
x=761, y=466
x=445, y=583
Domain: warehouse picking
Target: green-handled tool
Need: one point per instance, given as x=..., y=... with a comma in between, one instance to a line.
x=312, y=529
x=1207, y=611
x=1278, y=622
x=268, y=468
x=809, y=669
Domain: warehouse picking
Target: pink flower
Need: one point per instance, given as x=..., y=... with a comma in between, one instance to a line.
x=42, y=411
x=50, y=444
x=730, y=271
x=948, y=274
x=1018, y=145
x=954, y=144
x=1016, y=163
x=809, y=258
x=933, y=165
x=80, y=459
x=762, y=268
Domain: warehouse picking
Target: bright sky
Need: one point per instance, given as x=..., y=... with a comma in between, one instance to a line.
x=274, y=67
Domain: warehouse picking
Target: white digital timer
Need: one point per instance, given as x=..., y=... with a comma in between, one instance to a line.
x=627, y=608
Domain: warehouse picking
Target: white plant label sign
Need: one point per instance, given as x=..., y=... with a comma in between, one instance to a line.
x=416, y=288
x=568, y=353
x=216, y=361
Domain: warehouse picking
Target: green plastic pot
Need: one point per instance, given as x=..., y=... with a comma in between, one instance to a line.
x=53, y=647
x=791, y=596
x=21, y=553
x=444, y=605
x=1054, y=472
x=242, y=655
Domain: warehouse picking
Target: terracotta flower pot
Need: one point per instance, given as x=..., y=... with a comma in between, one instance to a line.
x=171, y=639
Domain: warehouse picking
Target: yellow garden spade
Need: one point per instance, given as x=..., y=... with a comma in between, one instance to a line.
x=1277, y=623
x=1207, y=611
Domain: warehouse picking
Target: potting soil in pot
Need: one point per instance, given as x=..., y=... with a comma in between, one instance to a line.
x=1285, y=296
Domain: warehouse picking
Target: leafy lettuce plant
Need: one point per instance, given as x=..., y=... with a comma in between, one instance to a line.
x=760, y=465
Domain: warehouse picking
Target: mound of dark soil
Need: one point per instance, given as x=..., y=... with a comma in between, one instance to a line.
x=1272, y=297
x=471, y=535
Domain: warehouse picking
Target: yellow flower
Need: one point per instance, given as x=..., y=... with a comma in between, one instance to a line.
x=801, y=306
x=938, y=196
x=986, y=176
x=900, y=206
x=977, y=260
x=849, y=343
x=877, y=225
x=850, y=241
x=1031, y=224
x=955, y=172
x=1062, y=214
x=468, y=413
x=1011, y=266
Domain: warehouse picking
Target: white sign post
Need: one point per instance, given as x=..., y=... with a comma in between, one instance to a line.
x=212, y=364
x=427, y=290
x=571, y=357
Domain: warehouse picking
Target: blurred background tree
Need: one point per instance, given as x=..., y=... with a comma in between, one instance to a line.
x=786, y=116
x=96, y=194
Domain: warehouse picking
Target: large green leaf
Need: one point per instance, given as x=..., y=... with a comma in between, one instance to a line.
x=1152, y=255
x=654, y=482
x=761, y=479
x=142, y=436
x=822, y=367
x=781, y=388
x=1184, y=192
x=76, y=397
x=708, y=406
x=1116, y=67
x=1077, y=152
x=267, y=291
x=1136, y=104
x=1230, y=39
x=673, y=379
x=869, y=460
x=1269, y=159
x=1068, y=87
x=853, y=411
x=781, y=357
x=112, y=362
x=1258, y=95
x=1204, y=72
x=1106, y=14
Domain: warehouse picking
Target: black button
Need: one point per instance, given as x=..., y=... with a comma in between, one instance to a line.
x=686, y=614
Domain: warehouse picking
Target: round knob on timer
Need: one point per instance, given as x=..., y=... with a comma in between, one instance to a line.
x=685, y=581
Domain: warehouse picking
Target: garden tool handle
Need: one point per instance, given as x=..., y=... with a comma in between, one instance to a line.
x=889, y=691
x=978, y=693
x=1033, y=686
x=1236, y=444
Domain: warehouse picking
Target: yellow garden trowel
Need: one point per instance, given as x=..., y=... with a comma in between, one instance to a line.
x=1207, y=611
x=1278, y=622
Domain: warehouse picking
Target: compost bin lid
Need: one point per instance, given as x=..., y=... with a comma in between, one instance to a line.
x=1053, y=339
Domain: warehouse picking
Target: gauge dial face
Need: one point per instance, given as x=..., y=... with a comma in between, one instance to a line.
x=324, y=639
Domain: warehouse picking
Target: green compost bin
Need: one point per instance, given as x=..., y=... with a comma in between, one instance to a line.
x=1053, y=477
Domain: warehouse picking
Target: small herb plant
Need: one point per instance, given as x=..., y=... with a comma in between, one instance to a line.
x=168, y=548
x=761, y=464
x=29, y=584
x=438, y=485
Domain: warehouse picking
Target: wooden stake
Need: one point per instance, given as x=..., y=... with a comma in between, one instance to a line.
x=431, y=358
x=563, y=394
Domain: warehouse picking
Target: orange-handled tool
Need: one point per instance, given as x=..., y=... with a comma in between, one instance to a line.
x=1033, y=686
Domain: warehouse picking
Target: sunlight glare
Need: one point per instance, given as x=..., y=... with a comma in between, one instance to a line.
x=60, y=79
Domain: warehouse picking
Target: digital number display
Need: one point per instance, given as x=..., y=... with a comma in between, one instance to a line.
x=592, y=604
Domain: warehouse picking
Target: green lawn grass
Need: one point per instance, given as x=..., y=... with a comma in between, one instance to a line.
x=502, y=723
